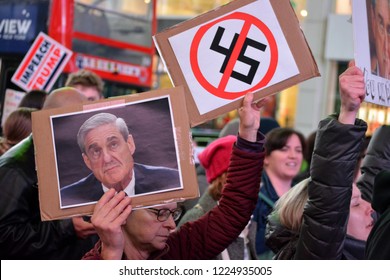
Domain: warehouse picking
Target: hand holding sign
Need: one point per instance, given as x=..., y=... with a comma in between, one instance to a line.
x=250, y=117
x=232, y=50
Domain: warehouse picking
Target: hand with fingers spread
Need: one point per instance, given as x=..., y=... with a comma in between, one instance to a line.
x=249, y=114
x=109, y=216
x=352, y=93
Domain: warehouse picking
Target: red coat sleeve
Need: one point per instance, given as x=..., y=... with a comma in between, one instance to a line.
x=212, y=233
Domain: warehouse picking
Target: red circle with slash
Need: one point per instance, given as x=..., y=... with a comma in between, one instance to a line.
x=220, y=91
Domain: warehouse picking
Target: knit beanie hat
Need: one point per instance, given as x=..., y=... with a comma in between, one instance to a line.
x=215, y=157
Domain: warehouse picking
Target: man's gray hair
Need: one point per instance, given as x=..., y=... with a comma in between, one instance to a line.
x=99, y=120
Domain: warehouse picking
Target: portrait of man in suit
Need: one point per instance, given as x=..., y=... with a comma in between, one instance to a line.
x=378, y=13
x=107, y=150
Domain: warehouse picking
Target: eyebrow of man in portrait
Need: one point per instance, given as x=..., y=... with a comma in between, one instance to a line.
x=107, y=150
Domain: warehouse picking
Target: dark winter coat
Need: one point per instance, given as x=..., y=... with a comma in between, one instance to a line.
x=325, y=217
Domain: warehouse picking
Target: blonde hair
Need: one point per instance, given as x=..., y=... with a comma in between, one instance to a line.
x=289, y=207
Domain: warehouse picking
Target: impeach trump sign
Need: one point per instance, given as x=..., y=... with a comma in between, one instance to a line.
x=42, y=64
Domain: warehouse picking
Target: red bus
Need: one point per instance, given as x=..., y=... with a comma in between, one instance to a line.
x=111, y=38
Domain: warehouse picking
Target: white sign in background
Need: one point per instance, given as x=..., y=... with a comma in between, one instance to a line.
x=377, y=88
x=11, y=102
x=210, y=61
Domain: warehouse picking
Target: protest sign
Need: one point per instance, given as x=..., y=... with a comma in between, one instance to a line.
x=68, y=178
x=42, y=64
x=244, y=46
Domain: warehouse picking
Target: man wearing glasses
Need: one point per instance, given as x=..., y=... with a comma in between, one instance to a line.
x=380, y=37
x=107, y=149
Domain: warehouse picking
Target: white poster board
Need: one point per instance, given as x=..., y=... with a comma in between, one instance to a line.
x=244, y=46
x=241, y=51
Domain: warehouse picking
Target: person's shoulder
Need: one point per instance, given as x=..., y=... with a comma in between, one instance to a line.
x=86, y=181
x=87, y=190
x=152, y=168
x=158, y=176
x=20, y=158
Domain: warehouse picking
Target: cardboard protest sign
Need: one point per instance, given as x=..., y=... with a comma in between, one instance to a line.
x=370, y=25
x=158, y=155
x=244, y=46
x=42, y=64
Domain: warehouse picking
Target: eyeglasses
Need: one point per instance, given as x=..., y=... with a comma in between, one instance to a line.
x=163, y=214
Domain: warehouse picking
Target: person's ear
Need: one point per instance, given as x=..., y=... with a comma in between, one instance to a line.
x=266, y=161
x=131, y=144
x=86, y=161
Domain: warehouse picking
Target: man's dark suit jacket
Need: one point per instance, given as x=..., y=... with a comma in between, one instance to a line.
x=147, y=179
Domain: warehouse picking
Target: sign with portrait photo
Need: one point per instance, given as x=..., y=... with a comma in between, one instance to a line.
x=371, y=24
x=138, y=143
x=244, y=46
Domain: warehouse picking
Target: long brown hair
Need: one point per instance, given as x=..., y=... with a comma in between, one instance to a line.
x=216, y=186
x=18, y=125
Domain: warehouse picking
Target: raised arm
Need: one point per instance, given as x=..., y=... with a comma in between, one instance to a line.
x=337, y=148
x=212, y=233
x=249, y=114
x=352, y=93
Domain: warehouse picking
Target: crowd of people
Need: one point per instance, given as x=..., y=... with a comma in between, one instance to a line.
x=22, y=233
x=267, y=192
